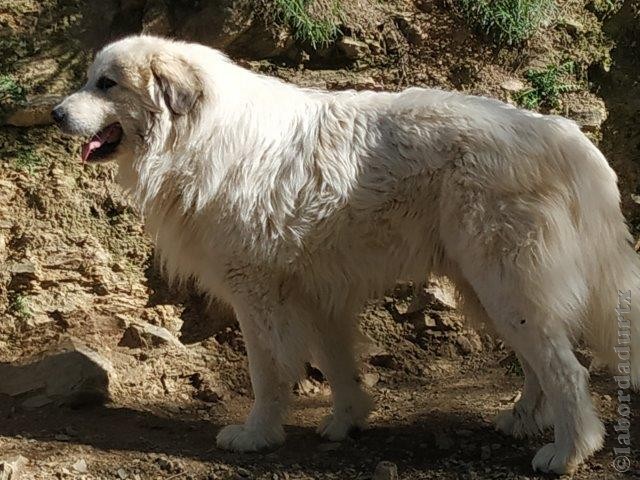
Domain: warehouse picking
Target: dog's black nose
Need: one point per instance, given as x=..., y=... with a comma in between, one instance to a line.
x=58, y=114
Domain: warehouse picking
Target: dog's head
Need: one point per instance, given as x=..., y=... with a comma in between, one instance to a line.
x=135, y=88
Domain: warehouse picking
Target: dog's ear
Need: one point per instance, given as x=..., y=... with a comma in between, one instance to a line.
x=177, y=82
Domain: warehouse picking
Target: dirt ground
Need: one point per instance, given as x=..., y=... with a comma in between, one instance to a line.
x=74, y=263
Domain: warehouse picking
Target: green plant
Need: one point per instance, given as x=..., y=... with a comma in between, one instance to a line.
x=547, y=85
x=19, y=306
x=512, y=365
x=319, y=31
x=10, y=90
x=508, y=22
x=26, y=158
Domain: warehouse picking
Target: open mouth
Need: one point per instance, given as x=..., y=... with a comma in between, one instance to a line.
x=103, y=144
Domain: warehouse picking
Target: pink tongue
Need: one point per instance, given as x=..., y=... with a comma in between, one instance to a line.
x=89, y=147
x=109, y=134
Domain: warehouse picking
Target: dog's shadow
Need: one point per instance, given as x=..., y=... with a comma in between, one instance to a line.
x=413, y=447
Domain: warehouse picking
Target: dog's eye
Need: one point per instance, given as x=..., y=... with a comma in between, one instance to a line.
x=105, y=83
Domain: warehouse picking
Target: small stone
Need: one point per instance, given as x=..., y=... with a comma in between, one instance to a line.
x=80, y=466
x=386, y=471
x=144, y=335
x=370, y=379
x=512, y=85
x=243, y=472
x=353, y=49
x=122, y=474
x=11, y=468
x=465, y=345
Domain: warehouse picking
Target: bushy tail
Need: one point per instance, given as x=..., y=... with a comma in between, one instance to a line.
x=612, y=326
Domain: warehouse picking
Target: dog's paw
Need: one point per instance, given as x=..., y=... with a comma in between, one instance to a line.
x=552, y=459
x=242, y=438
x=337, y=428
x=518, y=423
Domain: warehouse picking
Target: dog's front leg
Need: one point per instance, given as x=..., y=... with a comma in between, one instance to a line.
x=263, y=427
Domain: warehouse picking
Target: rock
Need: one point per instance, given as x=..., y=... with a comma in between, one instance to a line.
x=22, y=274
x=243, y=472
x=36, y=111
x=370, y=379
x=169, y=466
x=465, y=345
x=437, y=294
x=353, y=49
x=512, y=85
x=386, y=471
x=122, y=474
x=80, y=466
x=589, y=117
x=167, y=316
x=411, y=29
x=12, y=468
x=71, y=374
x=145, y=335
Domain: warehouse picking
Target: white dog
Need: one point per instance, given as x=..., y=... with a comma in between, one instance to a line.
x=296, y=205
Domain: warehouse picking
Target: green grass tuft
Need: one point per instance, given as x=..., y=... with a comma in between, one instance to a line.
x=508, y=22
x=546, y=86
x=20, y=306
x=319, y=31
x=10, y=90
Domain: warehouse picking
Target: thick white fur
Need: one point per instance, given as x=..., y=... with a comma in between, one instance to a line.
x=295, y=206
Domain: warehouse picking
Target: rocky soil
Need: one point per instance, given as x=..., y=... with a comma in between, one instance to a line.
x=107, y=372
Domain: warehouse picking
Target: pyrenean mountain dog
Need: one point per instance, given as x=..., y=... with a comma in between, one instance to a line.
x=297, y=205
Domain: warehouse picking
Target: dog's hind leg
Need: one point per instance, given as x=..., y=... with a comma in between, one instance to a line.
x=531, y=414
x=338, y=360
x=542, y=341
